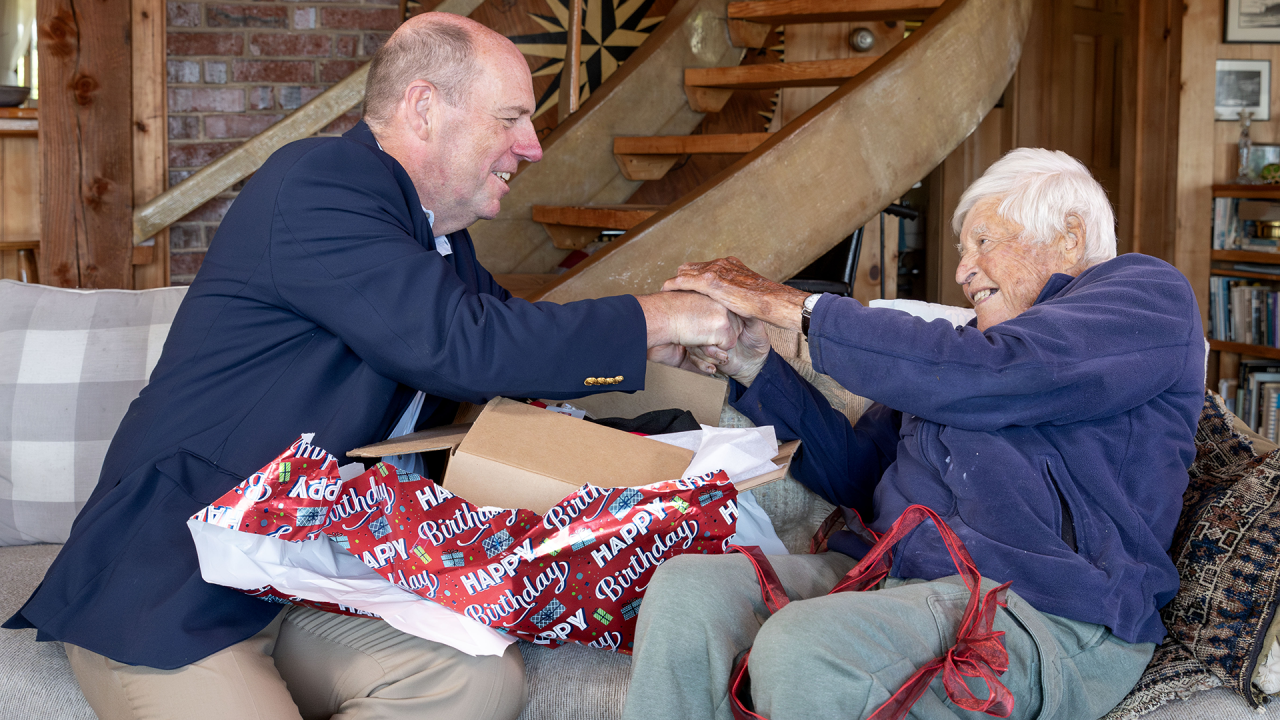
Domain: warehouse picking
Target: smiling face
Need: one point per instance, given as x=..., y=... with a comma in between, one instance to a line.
x=1002, y=274
x=482, y=141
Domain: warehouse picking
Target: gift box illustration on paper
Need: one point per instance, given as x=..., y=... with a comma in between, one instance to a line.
x=551, y=579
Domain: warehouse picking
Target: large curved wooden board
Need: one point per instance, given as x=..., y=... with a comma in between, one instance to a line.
x=644, y=97
x=833, y=168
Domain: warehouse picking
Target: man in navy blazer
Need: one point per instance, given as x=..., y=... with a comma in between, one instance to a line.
x=341, y=281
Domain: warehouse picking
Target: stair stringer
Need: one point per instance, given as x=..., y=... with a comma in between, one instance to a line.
x=833, y=168
x=644, y=97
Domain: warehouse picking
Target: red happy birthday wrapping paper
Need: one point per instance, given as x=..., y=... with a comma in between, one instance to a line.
x=575, y=574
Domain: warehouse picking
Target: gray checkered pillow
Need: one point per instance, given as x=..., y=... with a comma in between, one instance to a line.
x=71, y=361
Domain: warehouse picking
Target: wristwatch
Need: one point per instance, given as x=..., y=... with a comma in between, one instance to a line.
x=806, y=311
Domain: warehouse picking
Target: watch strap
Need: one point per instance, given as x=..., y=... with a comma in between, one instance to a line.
x=806, y=312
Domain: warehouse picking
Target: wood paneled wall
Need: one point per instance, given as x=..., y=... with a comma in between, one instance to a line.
x=1097, y=80
x=85, y=143
x=1207, y=148
x=19, y=204
x=102, y=73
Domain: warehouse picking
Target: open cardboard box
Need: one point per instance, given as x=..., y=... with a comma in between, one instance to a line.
x=516, y=455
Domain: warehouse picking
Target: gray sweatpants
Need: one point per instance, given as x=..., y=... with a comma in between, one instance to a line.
x=841, y=656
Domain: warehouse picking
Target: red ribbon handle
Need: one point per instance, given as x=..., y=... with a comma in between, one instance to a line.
x=979, y=650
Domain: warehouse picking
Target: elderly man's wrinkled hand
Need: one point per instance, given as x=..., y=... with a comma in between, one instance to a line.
x=743, y=361
x=741, y=290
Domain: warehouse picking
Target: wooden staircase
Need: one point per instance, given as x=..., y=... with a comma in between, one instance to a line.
x=707, y=90
x=897, y=112
x=750, y=22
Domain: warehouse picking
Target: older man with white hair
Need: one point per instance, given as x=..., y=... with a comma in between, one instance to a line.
x=1052, y=434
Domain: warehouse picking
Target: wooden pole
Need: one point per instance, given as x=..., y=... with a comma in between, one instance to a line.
x=86, y=145
x=569, y=80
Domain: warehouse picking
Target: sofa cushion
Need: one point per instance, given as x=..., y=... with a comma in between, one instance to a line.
x=71, y=361
x=35, y=679
x=1227, y=549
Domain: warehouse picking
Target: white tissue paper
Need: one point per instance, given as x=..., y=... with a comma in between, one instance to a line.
x=957, y=316
x=743, y=453
x=313, y=570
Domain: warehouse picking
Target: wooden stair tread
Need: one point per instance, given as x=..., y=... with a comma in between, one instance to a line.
x=812, y=73
x=607, y=217
x=780, y=12
x=683, y=144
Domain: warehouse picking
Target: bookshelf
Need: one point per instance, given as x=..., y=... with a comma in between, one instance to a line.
x=1244, y=270
x=1243, y=265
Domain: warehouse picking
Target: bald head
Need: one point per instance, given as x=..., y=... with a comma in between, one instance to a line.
x=441, y=48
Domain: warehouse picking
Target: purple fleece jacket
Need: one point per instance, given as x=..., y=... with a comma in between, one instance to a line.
x=1055, y=444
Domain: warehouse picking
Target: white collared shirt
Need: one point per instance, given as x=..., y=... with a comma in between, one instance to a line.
x=442, y=242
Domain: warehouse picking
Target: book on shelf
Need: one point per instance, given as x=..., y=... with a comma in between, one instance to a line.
x=1243, y=311
x=1227, y=230
x=1252, y=375
x=1258, y=268
x=1227, y=389
x=1268, y=410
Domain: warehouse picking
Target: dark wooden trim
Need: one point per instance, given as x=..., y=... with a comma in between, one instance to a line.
x=1245, y=349
x=1261, y=258
x=1256, y=192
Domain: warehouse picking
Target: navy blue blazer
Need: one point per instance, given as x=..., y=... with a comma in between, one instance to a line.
x=320, y=307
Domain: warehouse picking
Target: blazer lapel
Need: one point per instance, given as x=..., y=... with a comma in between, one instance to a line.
x=361, y=133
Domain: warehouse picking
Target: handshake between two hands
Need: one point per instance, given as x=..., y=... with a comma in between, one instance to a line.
x=711, y=317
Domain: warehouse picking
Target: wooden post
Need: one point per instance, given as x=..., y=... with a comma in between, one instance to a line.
x=569, y=81
x=86, y=146
x=150, y=134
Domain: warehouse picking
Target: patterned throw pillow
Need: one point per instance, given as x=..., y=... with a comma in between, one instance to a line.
x=71, y=361
x=1227, y=550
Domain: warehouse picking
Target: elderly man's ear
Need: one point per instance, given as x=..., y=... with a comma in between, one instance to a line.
x=418, y=109
x=1073, y=240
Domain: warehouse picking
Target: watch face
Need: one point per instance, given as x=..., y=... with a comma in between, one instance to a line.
x=810, y=301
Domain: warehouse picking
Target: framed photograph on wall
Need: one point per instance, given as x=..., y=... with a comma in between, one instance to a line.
x=1242, y=85
x=1251, y=21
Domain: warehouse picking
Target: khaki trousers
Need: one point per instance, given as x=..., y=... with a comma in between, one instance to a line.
x=311, y=664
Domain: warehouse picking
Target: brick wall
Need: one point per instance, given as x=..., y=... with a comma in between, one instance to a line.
x=235, y=69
